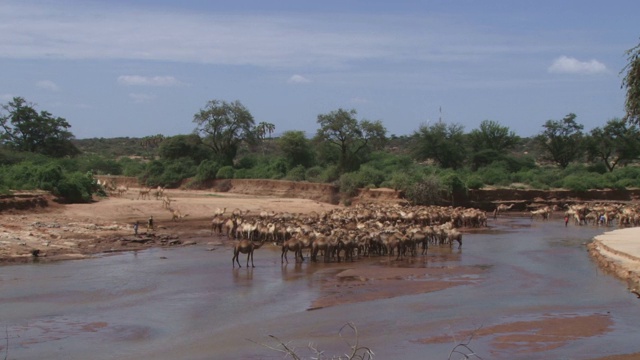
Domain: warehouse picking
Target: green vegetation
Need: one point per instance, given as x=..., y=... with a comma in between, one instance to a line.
x=436, y=163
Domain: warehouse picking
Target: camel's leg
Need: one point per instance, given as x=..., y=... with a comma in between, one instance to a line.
x=283, y=256
x=235, y=259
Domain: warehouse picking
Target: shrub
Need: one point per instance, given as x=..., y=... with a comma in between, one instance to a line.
x=225, y=172
x=296, y=174
x=207, y=170
x=427, y=191
x=313, y=174
x=349, y=184
x=474, y=182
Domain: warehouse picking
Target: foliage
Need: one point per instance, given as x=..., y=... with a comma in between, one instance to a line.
x=296, y=148
x=184, y=146
x=225, y=172
x=427, y=191
x=366, y=176
x=24, y=129
x=350, y=136
x=72, y=187
x=298, y=173
x=313, y=174
x=631, y=82
x=150, y=144
x=131, y=167
x=495, y=174
x=207, y=170
x=223, y=127
x=617, y=143
x=562, y=141
x=114, y=147
x=442, y=143
x=492, y=135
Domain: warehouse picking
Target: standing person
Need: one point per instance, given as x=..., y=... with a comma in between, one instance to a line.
x=135, y=227
x=150, y=224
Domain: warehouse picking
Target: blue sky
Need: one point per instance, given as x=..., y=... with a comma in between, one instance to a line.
x=137, y=68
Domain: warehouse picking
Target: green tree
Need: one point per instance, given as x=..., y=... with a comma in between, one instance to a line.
x=492, y=135
x=223, y=127
x=631, y=82
x=617, y=143
x=562, y=142
x=491, y=142
x=22, y=128
x=184, y=146
x=296, y=149
x=445, y=144
x=351, y=137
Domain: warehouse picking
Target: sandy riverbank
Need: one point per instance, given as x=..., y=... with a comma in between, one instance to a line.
x=618, y=252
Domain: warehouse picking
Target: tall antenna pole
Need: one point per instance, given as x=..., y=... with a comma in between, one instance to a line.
x=440, y=118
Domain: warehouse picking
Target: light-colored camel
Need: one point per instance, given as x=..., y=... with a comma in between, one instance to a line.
x=501, y=208
x=166, y=202
x=219, y=212
x=245, y=247
x=159, y=193
x=216, y=224
x=176, y=214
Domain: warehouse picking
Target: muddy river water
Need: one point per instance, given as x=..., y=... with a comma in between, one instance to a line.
x=519, y=290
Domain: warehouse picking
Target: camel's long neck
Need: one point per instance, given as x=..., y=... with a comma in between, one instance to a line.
x=258, y=245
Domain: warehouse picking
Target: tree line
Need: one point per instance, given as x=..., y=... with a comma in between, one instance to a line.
x=37, y=150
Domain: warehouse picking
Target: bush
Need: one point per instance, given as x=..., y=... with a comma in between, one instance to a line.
x=313, y=174
x=496, y=174
x=474, y=182
x=225, y=172
x=349, y=184
x=427, y=191
x=296, y=174
x=207, y=170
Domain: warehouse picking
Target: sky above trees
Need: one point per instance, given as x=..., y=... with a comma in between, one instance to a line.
x=138, y=68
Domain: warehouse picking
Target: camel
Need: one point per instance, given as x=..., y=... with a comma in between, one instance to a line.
x=501, y=208
x=159, y=193
x=245, y=247
x=144, y=193
x=216, y=224
x=219, y=212
x=121, y=190
x=176, y=214
x=291, y=245
x=166, y=202
x=239, y=213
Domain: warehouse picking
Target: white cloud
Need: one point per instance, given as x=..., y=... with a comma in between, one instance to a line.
x=137, y=80
x=140, y=98
x=298, y=79
x=568, y=65
x=47, y=85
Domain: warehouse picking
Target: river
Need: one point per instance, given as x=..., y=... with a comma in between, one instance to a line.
x=189, y=303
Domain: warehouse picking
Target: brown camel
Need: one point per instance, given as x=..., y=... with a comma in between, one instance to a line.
x=245, y=247
x=294, y=245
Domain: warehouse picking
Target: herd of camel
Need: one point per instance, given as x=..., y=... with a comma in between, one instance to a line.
x=347, y=233
x=371, y=229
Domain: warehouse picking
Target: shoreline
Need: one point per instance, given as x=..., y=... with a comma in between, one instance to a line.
x=618, y=252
